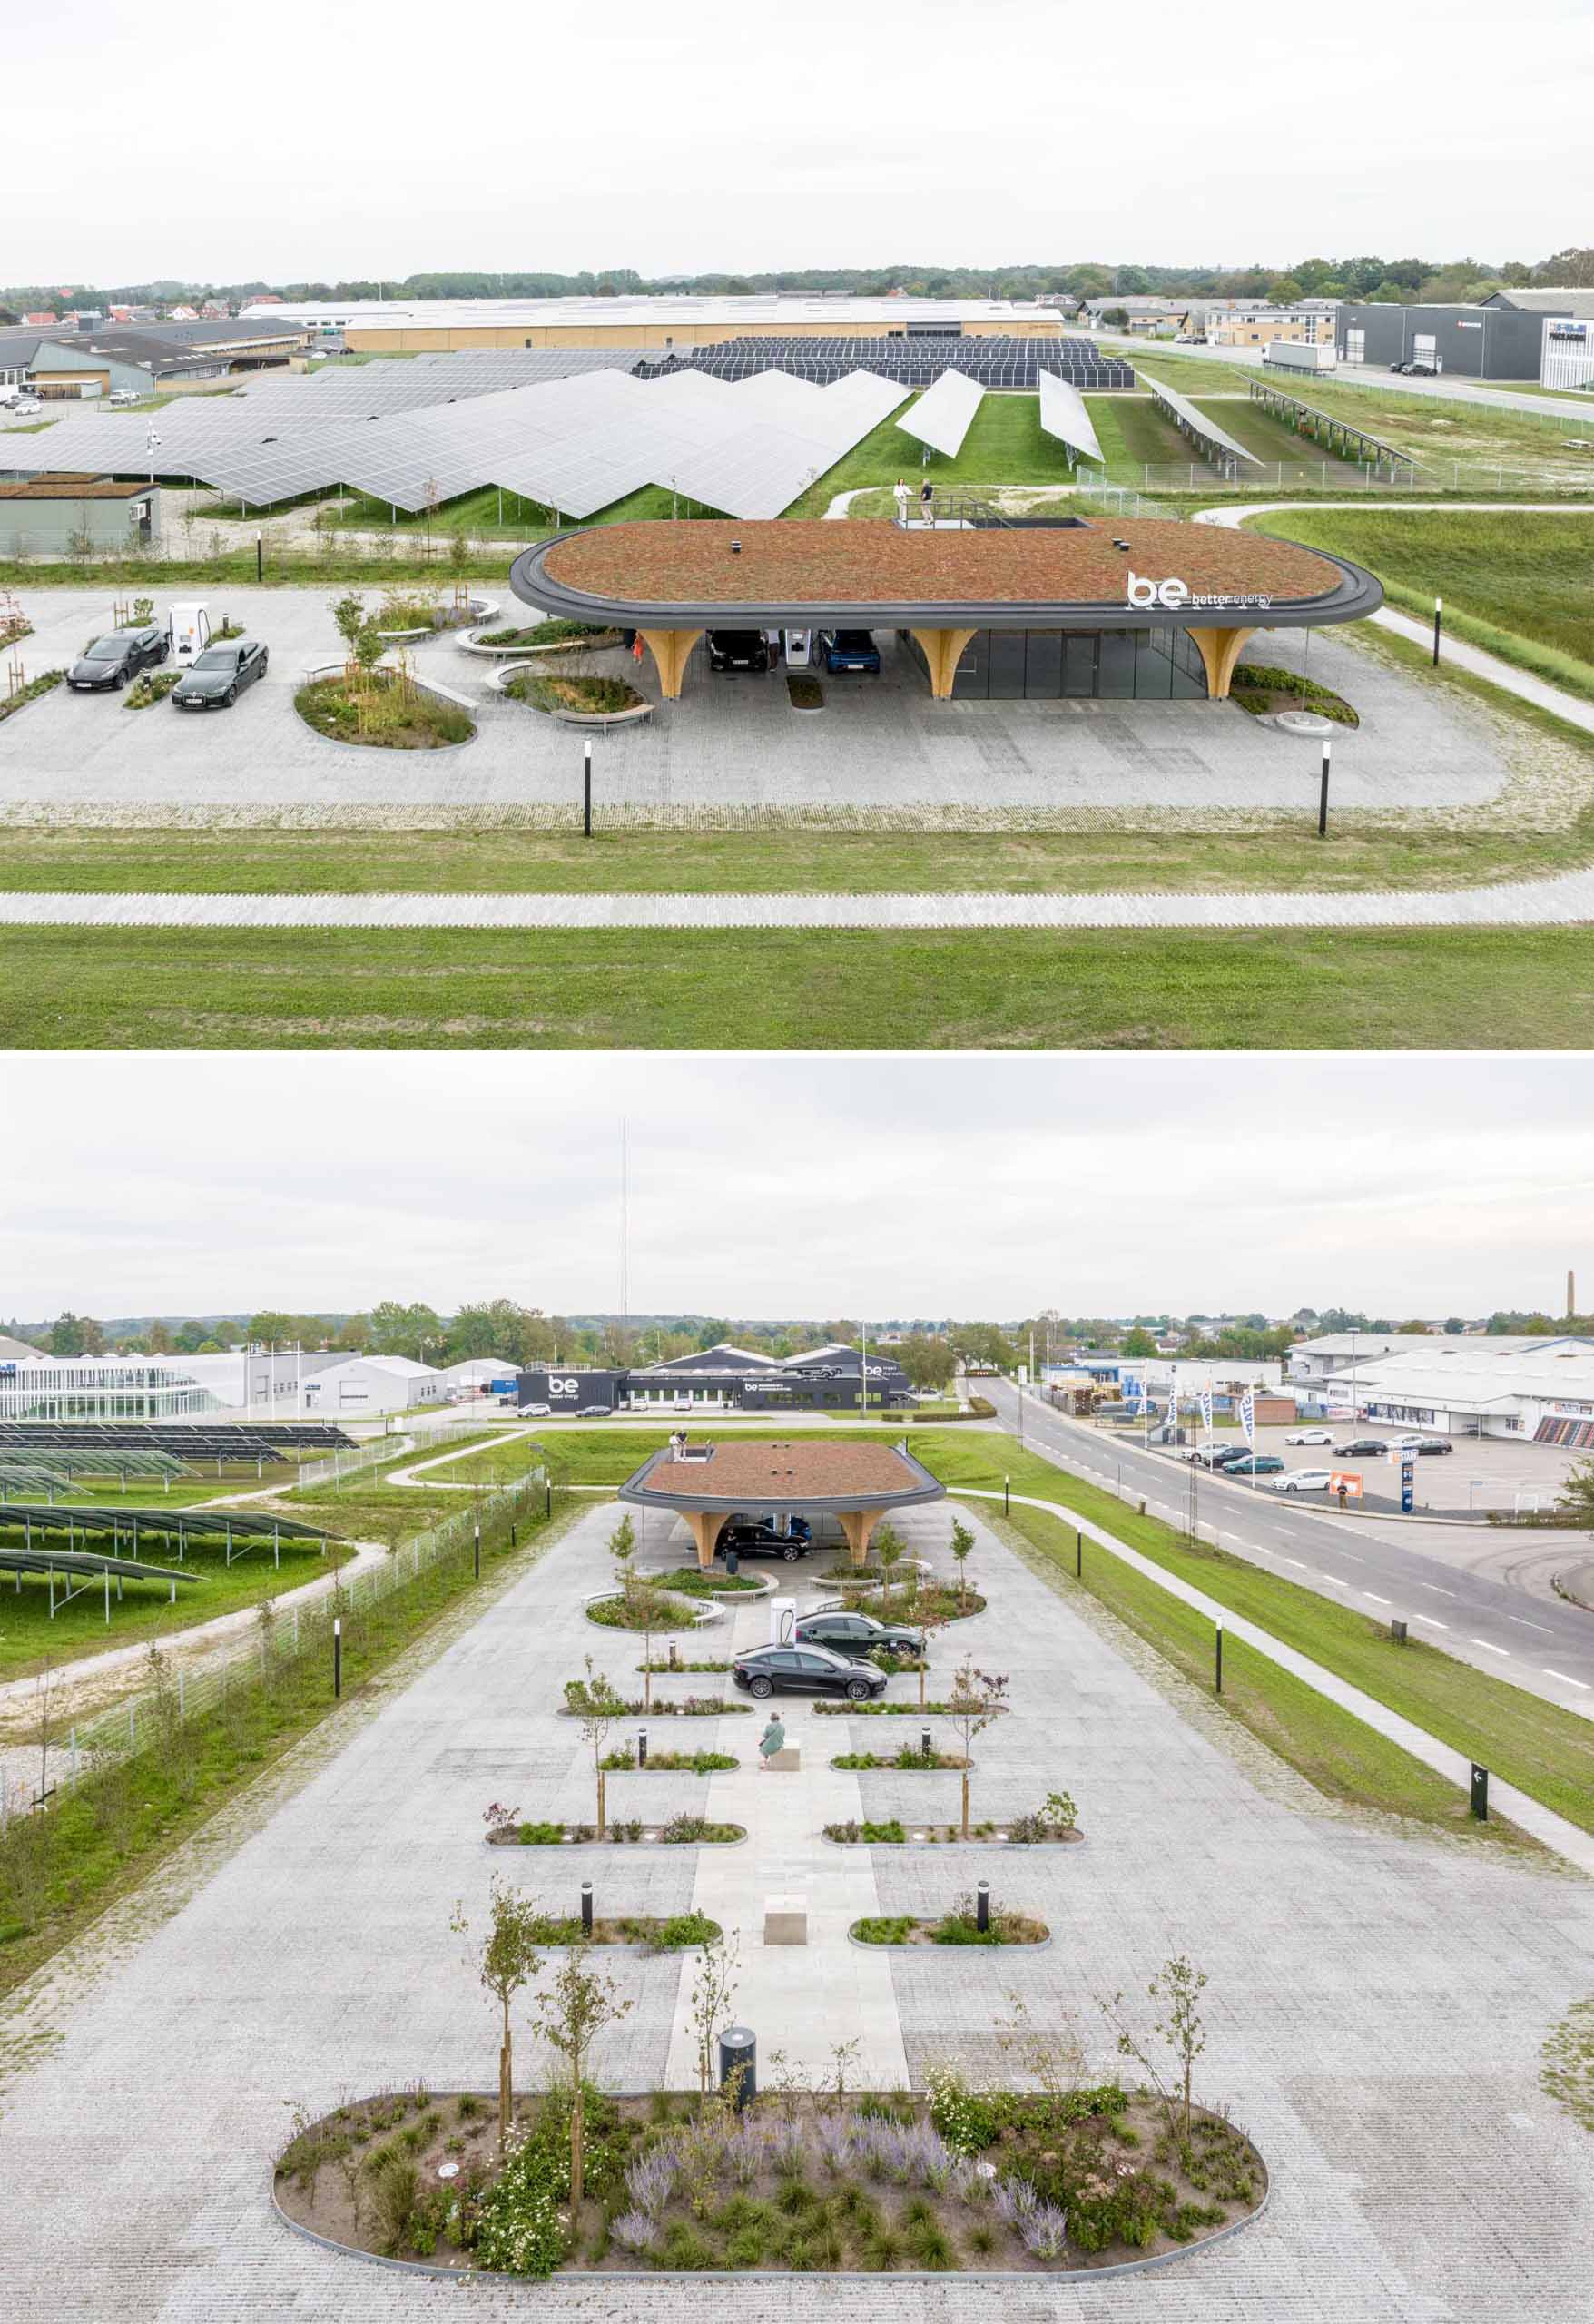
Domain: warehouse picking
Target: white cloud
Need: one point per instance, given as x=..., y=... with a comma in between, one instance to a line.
x=528, y=136
x=796, y=1184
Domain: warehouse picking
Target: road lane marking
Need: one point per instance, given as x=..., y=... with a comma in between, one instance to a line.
x=1489, y=1648
x=1527, y=1625
x=1376, y=1598
x=1294, y=1561
x=1432, y=1621
x=1435, y=1587
x=1565, y=1680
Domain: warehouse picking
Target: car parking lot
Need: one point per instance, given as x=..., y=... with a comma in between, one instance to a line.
x=733, y=744
x=1479, y=1474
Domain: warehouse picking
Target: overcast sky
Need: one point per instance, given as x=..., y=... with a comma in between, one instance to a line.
x=800, y=1185
x=309, y=141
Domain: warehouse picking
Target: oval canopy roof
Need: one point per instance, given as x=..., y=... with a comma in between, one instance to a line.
x=743, y=1475
x=698, y=574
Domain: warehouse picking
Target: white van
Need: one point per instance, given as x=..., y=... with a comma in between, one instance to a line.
x=190, y=631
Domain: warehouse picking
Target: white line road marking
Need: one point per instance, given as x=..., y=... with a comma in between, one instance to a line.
x=1432, y=1621
x=1527, y=1625
x=1565, y=1680
x=1376, y=1598
x=1295, y=1562
x=1352, y=1561
x=1435, y=1587
x=1489, y=1646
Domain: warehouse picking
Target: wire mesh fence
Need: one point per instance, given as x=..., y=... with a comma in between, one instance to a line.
x=282, y=1649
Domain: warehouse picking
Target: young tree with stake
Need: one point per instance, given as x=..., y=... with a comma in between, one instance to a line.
x=712, y=1991
x=597, y=1707
x=508, y=1960
x=623, y=1549
x=571, y=2018
x=976, y=1698
x=962, y=1544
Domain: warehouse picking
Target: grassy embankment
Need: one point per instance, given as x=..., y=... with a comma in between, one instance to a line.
x=1520, y=585
x=1544, y=1750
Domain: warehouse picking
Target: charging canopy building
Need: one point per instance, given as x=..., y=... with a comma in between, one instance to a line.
x=1196, y=587
x=710, y=1484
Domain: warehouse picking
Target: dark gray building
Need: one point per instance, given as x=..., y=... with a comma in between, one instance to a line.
x=1490, y=341
x=723, y=1379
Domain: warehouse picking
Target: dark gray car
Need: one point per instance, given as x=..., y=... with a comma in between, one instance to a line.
x=111, y=660
x=858, y=1636
x=221, y=674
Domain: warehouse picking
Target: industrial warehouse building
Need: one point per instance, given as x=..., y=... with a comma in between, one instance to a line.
x=58, y=365
x=398, y=326
x=723, y=1379
x=1512, y=335
x=1541, y=1390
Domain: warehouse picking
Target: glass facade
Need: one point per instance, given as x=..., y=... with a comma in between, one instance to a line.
x=1097, y=665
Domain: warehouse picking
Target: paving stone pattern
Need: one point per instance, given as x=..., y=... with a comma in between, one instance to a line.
x=730, y=746
x=1376, y=2007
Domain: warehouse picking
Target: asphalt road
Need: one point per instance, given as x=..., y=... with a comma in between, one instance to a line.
x=1447, y=388
x=1542, y=1645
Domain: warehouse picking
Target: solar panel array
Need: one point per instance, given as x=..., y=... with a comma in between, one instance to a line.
x=995, y=359
x=1213, y=442
x=943, y=415
x=575, y=444
x=226, y=1440
x=1064, y=416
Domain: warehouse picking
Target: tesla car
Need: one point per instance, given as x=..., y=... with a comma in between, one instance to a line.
x=121, y=655
x=858, y=1636
x=805, y=1670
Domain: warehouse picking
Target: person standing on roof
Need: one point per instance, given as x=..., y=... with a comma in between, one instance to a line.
x=899, y=495
x=926, y=502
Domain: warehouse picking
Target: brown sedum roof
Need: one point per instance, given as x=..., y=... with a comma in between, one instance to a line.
x=792, y=562
x=765, y=1471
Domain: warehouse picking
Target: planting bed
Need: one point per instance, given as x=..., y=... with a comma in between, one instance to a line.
x=909, y=1760
x=957, y=1926
x=397, y=718
x=689, y=1707
x=670, y=1763
x=1028, y=1831
x=991, y=2182
x=681, y=1831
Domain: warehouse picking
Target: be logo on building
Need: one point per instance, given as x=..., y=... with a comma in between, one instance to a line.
x=558, y=1387
x=1172, y=595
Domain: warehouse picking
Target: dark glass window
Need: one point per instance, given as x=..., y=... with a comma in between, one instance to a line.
x=1079, y=666
x=1005, y=654
x=1117, y=664
x=1043, y=669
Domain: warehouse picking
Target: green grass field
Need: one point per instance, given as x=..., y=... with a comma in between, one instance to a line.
x=974, y=989
x=1520, y=585
x=1547, y=1751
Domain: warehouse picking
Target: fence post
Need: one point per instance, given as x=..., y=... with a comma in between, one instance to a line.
x=132, y=1726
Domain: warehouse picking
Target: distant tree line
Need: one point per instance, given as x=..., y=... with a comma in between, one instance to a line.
x=1365, y=276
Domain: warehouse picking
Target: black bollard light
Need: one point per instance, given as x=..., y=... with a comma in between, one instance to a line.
x=587, y=1908
x=1438, y=626
x=479, y=1552
x=1323, y=794
x=1007, y=1501
x=642, y=1747
x=336, y=1656
x=586, y=793
x=1079, y=1555
x=924, y=1742
x=982, y=1905
x=1217, y=1644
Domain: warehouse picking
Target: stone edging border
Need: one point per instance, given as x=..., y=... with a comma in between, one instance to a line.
x=634, y=715
x=1037, y=1945
x=553, y=1847
x=942, y=1846
x=467, y=642
x=336, y=742
x=1002, y=2278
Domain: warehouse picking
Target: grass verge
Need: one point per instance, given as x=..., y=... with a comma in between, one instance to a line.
x=1320, y=989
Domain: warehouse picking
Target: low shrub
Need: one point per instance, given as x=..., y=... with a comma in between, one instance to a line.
x=149, y=686
x=381, y=714
x=687, y=1830
x=885, y=1928
x=642, y=1609
x=545, y=633
x=1260, y=688
x=868, y=1835
x=690, y=1763
x=31, y=692
x=518, y=2228
x=592, y=696
x=804, y=692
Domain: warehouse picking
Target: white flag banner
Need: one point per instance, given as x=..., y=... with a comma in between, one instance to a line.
x=1248, y=1416
x=1207, y=1408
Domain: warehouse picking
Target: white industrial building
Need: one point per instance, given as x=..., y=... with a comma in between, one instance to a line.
x=1540, y=1389
x=254, y=1383
x=1310, y=1364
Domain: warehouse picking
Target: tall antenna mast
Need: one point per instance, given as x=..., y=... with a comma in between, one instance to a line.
x=624, y=1233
